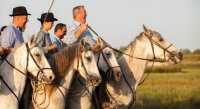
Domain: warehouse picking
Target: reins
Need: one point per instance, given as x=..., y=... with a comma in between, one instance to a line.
x=119, y=51
x=109, y=72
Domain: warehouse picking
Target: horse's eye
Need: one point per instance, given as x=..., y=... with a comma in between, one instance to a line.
x=108, y=54
x=161, y=39
x=37, y=54
x=89, y=58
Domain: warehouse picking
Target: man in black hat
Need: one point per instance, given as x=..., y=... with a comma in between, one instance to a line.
x=43, y=38
x=12, y=35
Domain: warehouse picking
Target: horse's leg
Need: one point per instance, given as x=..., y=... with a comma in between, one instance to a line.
x=26, y=96
x=104, y=102
x=30, y=106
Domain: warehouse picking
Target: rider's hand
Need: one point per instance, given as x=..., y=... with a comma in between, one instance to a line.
x=1, y=50
x=53, y=46
x=83, y=27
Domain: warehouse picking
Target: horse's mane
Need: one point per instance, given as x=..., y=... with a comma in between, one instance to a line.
x=131, y=45
x=61, y=61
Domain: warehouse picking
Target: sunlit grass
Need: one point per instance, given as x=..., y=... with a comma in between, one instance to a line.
x=170, y=91
x=172, y=86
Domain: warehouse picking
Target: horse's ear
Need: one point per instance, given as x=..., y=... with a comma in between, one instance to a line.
x=99, y=41
x=82, y=42
x=31, y=41
x=147, y=32
x=145, y=29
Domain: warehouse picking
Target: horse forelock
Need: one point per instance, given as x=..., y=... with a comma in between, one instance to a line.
x=87, y=47
x=61, y=62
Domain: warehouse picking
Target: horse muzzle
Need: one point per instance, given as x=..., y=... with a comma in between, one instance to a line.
x=177, y=57
x=117, y=73
x=93, y=80
x=46, y=76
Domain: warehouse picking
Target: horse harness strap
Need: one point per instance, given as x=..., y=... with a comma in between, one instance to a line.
x=164, y=50
x=10, y=89
x=40, y=69
x=61, y=92
x=108, y=74
x=133, y=95
x=28, y=51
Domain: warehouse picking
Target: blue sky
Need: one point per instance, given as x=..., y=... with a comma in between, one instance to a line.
x=120, y=21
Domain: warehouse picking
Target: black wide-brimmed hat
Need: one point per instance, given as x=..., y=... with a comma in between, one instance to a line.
x=19, y=11
x=50, y=17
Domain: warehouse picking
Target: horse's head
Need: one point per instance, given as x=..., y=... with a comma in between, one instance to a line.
x=107, y=62
x=86, y=65
x=37, y=64
x=159, y=49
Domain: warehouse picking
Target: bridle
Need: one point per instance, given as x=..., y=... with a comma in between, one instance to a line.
x=83, y=65
x=41, y=87
x=149, y=37
x=146, y=59
x=29, y=54
x=153, y=42
x=88, y=78
x=165, y=50
x=109, y=73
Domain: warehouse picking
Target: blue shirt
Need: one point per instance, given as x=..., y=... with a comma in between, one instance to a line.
x=57, y=41
x=70, y=37
x=43, y=40
x=11, y=37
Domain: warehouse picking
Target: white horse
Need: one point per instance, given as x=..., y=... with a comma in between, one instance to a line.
x=107, y=63
x=74, y=60
x=148, y=46
x=25, y=58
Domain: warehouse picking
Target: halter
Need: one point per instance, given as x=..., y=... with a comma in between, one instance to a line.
x=83, y=65
x=154, y=59
x=30, y=77
x=109, y=72
x=85, y=88
x=149, y=37
x=39, y=87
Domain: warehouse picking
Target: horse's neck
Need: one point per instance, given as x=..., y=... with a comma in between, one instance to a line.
x=133, y=68
x=58, y=95
x=78, y=96
x=11, y=76
x=66, y=81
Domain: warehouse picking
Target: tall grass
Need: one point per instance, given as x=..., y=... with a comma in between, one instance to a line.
x=170, y=91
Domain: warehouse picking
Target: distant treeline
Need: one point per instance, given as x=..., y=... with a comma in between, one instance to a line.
x=187, y=51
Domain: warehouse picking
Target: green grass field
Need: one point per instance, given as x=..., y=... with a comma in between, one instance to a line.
x=172, y=90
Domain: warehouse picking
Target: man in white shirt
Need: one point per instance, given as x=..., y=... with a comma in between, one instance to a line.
x=79, y=29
